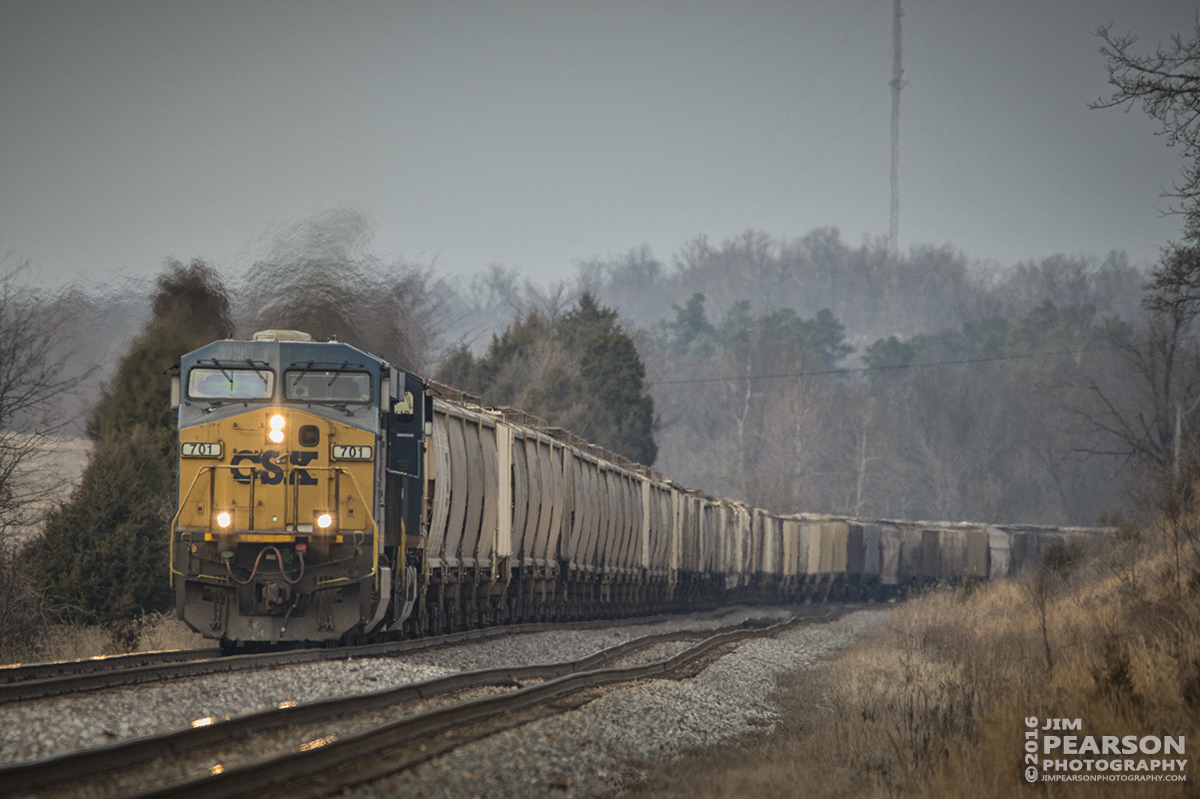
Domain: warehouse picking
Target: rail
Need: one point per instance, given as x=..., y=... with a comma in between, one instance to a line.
x=41, y=680
x=561, y=679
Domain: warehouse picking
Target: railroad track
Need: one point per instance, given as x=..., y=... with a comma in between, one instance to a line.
x=21, y=673
x=41, y=680
x=308, y=758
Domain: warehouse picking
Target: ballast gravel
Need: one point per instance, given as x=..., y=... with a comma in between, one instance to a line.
x=588, y=752
x=41, y=728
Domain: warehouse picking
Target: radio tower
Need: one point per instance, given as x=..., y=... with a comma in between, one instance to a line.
x=897, y=84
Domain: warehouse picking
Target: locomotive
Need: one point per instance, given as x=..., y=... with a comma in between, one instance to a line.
x=326, y=495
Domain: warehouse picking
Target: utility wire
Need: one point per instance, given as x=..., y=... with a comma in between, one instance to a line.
x=863, y=369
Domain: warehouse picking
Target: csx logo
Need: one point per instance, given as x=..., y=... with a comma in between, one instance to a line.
x=271, y=473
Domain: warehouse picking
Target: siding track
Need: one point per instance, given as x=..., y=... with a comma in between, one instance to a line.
x=40, y=680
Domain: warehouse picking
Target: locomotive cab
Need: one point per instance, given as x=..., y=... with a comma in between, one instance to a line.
x=299, y=479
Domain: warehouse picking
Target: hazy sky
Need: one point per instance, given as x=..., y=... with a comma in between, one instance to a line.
x=535, y=134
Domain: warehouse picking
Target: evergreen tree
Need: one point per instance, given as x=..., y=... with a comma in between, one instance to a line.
x=781, y=336
x=190, y=309
x=622, y=414
x=890, y=354
x=691, y=332
x=505, y=372
x=580, y=325
x=103, y=555
x=580, y=372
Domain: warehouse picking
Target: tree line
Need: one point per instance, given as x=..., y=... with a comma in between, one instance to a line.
x=779, y=407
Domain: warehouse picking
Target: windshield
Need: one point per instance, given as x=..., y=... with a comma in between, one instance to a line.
x=313, y=385
x=229, y=383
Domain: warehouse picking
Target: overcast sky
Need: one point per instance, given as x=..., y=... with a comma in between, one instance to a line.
x=536, y=134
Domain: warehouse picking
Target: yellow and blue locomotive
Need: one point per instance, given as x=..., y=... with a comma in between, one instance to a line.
x=300, y=469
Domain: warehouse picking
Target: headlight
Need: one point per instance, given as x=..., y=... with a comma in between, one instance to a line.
x=223, y=519
x=276, y=434
x=324, y=520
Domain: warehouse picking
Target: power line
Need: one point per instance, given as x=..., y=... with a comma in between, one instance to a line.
x=863, y=369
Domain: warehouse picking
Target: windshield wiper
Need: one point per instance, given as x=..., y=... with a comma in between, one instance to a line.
x=344, y=407
x=300, y=376
x=337, y=374
x=227, y=375
x=257, y=371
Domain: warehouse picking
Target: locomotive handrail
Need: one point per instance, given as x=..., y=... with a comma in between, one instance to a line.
x=175, y=521
x=374, y=573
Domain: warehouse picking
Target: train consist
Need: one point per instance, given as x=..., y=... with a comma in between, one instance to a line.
x=325, y=495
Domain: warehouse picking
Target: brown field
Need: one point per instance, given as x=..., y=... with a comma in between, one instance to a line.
x=45, y=478
x=153, y=632
x=934, y=703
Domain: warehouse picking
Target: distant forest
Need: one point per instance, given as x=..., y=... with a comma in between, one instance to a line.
x=814, y=375
x=799, y=374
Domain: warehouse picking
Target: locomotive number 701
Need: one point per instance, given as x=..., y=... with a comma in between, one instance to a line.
x=349, y=453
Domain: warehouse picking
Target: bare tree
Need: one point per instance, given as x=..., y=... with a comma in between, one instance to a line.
x=1174, y=289
x=1167, y=84
x=1139, y=398
x=31, y=379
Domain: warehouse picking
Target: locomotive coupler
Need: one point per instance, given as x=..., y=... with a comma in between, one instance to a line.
x=276, y=594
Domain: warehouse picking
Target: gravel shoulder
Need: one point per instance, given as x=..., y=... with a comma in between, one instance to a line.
x=592, y=751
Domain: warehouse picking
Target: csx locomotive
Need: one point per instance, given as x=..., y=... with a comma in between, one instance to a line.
x=326, y=495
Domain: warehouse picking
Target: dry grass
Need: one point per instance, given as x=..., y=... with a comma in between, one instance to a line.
x=155, y=631
x=933, y=704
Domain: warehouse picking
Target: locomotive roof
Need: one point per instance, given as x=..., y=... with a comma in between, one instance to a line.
x=285, y=354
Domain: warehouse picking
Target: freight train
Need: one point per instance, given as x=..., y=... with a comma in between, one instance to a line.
x=326, y=495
